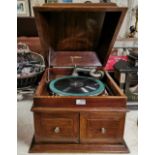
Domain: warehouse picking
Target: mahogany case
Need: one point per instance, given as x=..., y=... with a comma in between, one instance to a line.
x=81, y=35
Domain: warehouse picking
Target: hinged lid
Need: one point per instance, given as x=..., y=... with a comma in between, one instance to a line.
x=84, y=33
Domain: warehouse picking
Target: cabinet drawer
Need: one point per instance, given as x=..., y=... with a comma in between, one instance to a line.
x=56, y=127
x=102, y=127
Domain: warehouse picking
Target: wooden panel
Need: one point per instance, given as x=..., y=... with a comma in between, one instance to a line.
x=110, y=30
x=78, y=148
x=56, y=127
x=84, y=59
x=61, y=101
x=102, y=127
x=78, y=109
x=79, y=27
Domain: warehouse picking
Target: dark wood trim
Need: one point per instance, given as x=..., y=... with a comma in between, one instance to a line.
x=49, y=110
x=109, y=37
x=113, y=85
x=78, y=148
x=79, y=7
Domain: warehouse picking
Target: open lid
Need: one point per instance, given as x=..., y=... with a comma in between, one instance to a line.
x=78, y=34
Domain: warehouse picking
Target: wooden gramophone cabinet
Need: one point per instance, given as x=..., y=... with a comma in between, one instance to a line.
x=81, y=35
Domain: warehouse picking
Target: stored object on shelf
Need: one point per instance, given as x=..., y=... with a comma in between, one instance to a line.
x=23, y=8
x=30, y=66
x=126, y=76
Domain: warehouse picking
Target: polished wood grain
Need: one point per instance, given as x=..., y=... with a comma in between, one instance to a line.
x=77, y=109
x=78, y=27
x=83, y=59
x=78, y=148
x=107, y=111
x=60, y=124
x=102, y=127
x=100, y=113
x=56, y=127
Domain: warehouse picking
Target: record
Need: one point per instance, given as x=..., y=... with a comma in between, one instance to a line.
x=76, y=86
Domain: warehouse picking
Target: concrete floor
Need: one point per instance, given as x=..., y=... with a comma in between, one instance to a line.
x=25, y=129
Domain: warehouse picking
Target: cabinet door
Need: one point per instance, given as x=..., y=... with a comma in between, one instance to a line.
x=101, y=127
x=57, y=127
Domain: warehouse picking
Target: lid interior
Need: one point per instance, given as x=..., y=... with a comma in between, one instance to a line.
x=79, y=28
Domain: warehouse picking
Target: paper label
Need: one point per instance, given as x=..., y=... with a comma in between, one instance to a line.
x=80, y=102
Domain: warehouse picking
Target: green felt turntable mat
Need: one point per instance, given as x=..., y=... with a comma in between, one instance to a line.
x=76, y=86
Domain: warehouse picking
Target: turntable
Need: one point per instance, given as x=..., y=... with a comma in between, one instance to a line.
x=77, y=106
x=76, y=86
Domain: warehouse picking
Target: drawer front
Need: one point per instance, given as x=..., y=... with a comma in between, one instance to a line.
x=102, y=127
x=56, y=127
